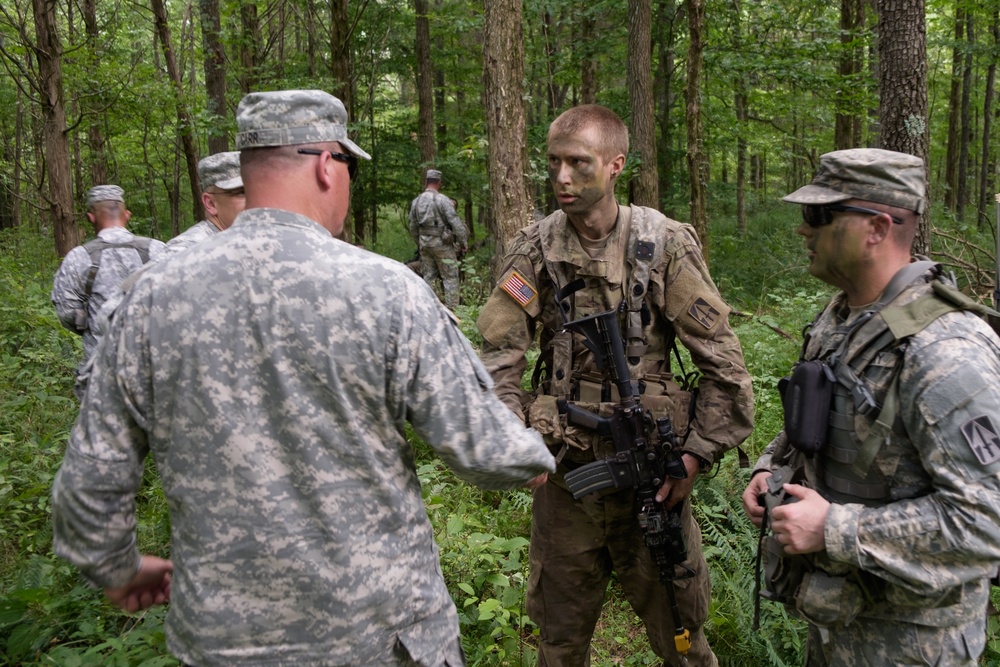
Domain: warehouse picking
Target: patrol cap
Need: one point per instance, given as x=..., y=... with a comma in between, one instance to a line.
x=104, y=193
x=433, y=175
x=221, y=170
x=292, y=117
x=871, y=174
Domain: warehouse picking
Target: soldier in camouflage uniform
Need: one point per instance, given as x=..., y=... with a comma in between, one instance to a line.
x=440, y=237
x=896, y=528
x=91, y=273
x=271, y=370
x=654, y=264
x=221, y=195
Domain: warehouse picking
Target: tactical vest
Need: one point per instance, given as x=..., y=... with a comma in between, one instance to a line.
x=866, y=359
x=553, y=375
x=94, y=248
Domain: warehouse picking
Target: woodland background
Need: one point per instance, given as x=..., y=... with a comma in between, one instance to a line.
x=729, y=103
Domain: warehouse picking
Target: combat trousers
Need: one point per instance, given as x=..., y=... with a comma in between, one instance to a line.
x=869, y=642
x=441, y=261
x=575, y=545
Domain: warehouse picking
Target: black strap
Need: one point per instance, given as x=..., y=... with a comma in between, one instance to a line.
x=97, y=246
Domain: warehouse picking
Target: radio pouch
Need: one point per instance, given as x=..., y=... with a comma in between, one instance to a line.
x=806, y=396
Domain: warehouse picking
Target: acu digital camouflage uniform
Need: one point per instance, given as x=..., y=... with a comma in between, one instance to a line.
x=77, y=310
x=913, y=529
x=575, y=544
x=438, y=233
x=221, y=170
x=271, y=371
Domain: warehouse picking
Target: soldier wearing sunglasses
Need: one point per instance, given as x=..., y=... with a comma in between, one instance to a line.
x=887, y=545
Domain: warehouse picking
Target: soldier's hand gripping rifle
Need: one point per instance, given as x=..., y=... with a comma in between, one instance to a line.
x=645, y=455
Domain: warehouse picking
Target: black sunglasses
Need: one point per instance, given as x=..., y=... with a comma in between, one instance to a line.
x=352, y=162
x=818, y=216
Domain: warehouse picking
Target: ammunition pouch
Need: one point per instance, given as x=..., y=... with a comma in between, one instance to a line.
x=660, y=395
x=80, y=318
x=806, y=396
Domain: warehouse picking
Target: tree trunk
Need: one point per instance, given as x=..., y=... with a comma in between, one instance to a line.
x=697, y=169
x=663, y=84
x=50, y=89
x=588, y=64
x=249, y=47
x=95, y=136
x=954, y=112
x=962, y=193
x=340, y=52
x=640, y=92
x=847, y=125
x=425, y=90
x=984, y=168
x=185, y=124
x=902, y=49
x=215, y=75
x=503, y=77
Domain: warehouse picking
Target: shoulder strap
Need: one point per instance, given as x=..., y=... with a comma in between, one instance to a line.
x=95, y=247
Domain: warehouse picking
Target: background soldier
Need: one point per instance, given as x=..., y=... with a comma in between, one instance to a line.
x=440, y=237
x=655, y=265
x=898, y=512
x=271, y=370
x=91, y=272
x=221, y=195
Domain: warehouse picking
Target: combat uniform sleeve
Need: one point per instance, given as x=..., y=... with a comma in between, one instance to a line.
x=724, y=409
x=950, y=406
x=93, y=495
x=450, y=400
x=457, y=226
x=507, y=323
x=68, y=288
x=414, y=224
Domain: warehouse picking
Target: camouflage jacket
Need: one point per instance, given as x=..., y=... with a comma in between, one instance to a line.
x=70, y=283
x=271, y=371
x=680, y=298
x=431, y=216
x=926, y=554
x=193, y=235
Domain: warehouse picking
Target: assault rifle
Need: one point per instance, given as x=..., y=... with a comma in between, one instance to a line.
x=645, y=456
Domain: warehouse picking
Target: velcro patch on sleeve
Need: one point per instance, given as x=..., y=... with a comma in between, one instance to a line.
x=519, y=289
x=983, y=439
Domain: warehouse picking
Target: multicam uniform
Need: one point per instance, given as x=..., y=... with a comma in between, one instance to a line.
x=70, y=284
x=912, y=538
x=271, y=371
x=438, y=231
x=575, y=544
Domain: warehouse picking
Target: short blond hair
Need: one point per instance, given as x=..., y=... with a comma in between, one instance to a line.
x=612, y=132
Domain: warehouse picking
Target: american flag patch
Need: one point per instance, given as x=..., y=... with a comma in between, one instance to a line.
x=519, y=289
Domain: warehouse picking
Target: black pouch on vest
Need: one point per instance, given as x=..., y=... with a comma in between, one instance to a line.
x=806, y=396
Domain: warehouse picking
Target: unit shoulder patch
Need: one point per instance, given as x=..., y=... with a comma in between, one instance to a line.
x=983, y=439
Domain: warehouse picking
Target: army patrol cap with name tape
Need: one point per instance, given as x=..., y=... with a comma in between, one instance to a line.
x=104, y=193
x=871, y=174
x=221, y=170
x=292, y=117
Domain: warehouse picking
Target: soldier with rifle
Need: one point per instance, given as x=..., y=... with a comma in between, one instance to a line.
x=608, y=289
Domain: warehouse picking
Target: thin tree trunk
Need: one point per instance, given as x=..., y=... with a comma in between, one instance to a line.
x=903, y=88
x=588, y=64
x=962, y=194
x=663, y=83
x=95, y=137
x=740, y=101
x=503, y=77
x=697, y=169
x=984, y=168
x=215, y=75
x=954, y=112
x=425, y=91
x=847, y=125
x=640, y=88
x=340, y=52
x=249, y=47
x=50, y=87
x=184, y=122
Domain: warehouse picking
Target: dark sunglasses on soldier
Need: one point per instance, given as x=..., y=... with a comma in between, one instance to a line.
x=820, y=216
x=352, y=162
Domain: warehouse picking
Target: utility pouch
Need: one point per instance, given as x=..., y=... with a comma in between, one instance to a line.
x=783, y=573
x=806, y=396
x=829, y=601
